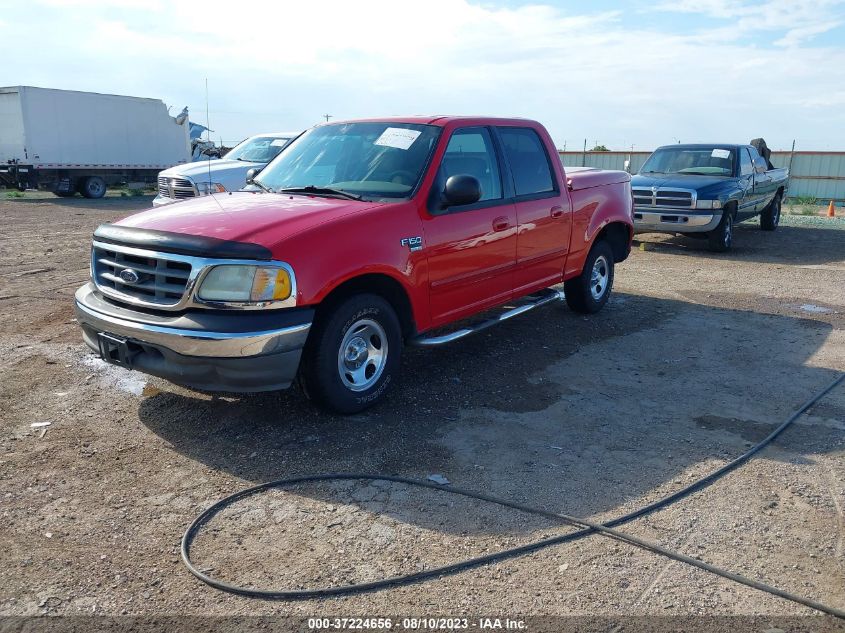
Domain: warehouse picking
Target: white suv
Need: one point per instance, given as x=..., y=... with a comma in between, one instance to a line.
x=218, y=175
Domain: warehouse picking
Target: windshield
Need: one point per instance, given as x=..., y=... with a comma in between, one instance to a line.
x=710, y=161
x=373, y=159
x=259, y=149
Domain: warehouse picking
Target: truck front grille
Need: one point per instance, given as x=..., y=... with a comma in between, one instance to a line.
x=176, y=188
x=160, y=281
x=664, y=198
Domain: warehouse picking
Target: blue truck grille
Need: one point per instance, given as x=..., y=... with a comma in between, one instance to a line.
x=663, y=198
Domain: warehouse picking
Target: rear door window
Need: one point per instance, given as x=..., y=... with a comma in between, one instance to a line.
x=529, y=162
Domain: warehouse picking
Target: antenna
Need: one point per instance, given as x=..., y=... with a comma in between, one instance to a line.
x=207, y=129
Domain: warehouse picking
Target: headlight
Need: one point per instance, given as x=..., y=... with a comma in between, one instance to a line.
x=708, y=204
x=205, y=188
x=245, y=284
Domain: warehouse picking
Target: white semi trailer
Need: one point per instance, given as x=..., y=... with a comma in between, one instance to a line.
x=66, y=141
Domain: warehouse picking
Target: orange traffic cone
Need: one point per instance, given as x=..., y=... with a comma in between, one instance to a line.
x=830, y=212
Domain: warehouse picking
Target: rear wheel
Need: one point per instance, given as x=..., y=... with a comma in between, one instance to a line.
x=92, y=187
x=770, y=218
x=353, y=356
x=721, y=238
x=588, y=292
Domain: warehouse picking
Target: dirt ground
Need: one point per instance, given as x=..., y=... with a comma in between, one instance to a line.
x=696, y=356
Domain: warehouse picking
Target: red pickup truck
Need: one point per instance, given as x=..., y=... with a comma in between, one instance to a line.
x=359, y=237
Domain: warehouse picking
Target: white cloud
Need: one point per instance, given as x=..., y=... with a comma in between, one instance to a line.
x=799, y=20
x=282, y=65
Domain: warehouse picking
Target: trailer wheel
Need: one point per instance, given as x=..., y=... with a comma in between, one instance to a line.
x=92, y=187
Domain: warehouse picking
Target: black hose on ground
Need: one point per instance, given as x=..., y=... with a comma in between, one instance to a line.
x=588, y=527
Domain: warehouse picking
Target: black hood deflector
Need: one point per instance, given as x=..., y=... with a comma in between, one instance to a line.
x=180, y=243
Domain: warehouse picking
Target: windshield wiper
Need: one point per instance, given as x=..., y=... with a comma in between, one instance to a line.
x=262, y=185
x=320, y=191
x=652, y=171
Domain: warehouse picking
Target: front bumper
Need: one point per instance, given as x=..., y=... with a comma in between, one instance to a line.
x=212, y=350
x=658, y=220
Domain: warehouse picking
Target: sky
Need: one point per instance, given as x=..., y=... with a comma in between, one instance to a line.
x=620, y=74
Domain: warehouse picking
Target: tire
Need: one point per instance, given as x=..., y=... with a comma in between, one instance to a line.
x=588, y=292
x=333, y=374
x=770, y=217
x=92, y=187
x=720, y=239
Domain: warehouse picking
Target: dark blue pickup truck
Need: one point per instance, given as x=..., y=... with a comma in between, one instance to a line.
x=703, y=190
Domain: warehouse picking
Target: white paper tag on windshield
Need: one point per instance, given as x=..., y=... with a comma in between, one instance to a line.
x=279, y=142
x=398, y=137
x=721, y=153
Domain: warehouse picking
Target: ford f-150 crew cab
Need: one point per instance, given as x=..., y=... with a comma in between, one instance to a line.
x=361, y=236
x=703, y=190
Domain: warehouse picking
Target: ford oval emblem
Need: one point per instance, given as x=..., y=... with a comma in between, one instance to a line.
x=129, y=276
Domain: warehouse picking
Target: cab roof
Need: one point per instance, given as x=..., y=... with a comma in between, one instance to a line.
x=705, y=146
x=440, y=120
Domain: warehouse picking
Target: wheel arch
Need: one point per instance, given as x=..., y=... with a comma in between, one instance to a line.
x=379, y=284
x=618, y=235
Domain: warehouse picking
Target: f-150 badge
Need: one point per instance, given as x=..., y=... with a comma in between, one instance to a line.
x=413, y=243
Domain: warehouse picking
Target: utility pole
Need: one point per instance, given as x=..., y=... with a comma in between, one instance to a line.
x=327, y=117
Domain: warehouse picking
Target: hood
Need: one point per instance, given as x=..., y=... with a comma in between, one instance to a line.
x=221, y=170
x=678, y=181
x=260, y=218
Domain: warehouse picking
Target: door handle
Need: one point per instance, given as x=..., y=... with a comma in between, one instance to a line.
x=557, y=212
x=501, y=223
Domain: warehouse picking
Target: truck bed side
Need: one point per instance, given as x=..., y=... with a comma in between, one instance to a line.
x=599, y=197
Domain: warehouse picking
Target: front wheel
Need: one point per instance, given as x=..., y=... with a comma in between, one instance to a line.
x=588, y=292
x=770, y=218
x=720, y=239
x=353, y=356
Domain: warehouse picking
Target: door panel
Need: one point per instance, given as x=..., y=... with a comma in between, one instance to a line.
x=762, y=182
x=542, y=242
x=543, y=214
x=471, y=257
x=471, y=249
x=748, y=203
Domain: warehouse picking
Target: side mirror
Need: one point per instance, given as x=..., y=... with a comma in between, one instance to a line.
x=462, y=189
x=252, y=173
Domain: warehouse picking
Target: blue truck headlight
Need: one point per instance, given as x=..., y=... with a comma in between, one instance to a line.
x=245, y=284
x=708, y=204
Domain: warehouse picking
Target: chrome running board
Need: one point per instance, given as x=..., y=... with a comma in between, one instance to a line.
x=541, y=299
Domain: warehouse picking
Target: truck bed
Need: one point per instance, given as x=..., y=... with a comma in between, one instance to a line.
x=588, y=177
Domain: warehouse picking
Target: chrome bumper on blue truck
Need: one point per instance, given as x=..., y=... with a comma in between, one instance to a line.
x=214, y=350
x=649, y=219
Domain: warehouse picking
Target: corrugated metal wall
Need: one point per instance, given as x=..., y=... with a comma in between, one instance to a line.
x=819, y=175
